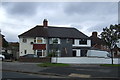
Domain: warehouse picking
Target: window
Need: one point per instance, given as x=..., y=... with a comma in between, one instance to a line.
x=40, y=40
x=41, y=53
x=24, y=40
x=55, y=41
x=83, y=41
x=25, y=51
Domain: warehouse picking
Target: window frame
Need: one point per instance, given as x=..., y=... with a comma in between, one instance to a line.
x=52, y=41
x=83, y=42
x=24, y=40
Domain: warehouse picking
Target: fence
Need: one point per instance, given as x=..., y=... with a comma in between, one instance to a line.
x=84, y=60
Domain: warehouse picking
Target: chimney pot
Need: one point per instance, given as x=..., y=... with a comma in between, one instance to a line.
x=45, y=23
x=94, y=34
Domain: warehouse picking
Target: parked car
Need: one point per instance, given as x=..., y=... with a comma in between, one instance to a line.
x=29, y=56
x=2, y=57
x=8, y=56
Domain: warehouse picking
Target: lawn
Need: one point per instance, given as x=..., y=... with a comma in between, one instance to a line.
x=110, y=65
x=52, y=65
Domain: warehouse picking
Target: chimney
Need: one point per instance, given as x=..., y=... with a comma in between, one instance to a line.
x=45, y=23
x=94, y=34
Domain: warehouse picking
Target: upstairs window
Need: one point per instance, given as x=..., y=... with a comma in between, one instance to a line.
x=24, y=40
x=83, y=41
x=55, y=41
x=40, y=40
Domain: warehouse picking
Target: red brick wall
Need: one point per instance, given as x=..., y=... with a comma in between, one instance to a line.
x=46, y=59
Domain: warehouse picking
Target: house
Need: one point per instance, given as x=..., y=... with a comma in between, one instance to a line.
x=44, y=40
x=97, y=43
x=116, y=49
x=13, y=49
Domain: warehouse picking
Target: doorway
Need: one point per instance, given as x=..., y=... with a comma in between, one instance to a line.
x=74, y=53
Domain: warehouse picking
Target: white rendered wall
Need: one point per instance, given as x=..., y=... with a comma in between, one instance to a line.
x=76, y=43
x=26, y=46
x=84, y=60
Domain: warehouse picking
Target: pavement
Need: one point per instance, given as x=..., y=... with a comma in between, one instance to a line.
x=73, y=71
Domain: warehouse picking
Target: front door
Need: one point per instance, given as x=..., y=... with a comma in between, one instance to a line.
x=41, y=53
x=74, y=53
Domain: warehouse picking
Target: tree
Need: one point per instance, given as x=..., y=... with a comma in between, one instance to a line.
x=4, y=42
x=110, y=36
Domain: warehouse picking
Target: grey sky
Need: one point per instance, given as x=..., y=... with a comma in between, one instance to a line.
x=18, y=17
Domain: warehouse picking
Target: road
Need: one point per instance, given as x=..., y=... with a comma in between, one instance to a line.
x=25, y=76
x=73, y=71
x=85, y=72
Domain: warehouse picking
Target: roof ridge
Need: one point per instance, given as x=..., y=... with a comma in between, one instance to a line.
x=54, y=26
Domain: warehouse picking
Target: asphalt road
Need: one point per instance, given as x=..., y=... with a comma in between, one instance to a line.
x=23, y=76
x=8, y=74
x=85, y=72
x=74, y=71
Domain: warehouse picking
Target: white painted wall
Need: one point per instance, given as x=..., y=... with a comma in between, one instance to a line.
x=76, y=43
x=84, y=60
x=26, y=46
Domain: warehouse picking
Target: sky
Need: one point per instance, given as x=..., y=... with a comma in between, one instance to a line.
x=18, y=17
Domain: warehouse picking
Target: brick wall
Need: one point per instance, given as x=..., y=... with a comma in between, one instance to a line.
x=46, y=59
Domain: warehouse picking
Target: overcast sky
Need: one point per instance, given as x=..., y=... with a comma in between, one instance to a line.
x=18, y=17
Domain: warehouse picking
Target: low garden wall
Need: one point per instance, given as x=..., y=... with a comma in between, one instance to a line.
x=46, y=59
x=84, y=60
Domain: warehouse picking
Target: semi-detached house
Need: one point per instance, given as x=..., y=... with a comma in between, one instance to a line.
x=43, y=40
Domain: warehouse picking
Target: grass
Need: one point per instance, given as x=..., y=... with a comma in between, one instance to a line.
x=110, y=65
x=52, y=65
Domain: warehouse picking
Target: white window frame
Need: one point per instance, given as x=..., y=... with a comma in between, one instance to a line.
x=24, y=40
x=43, y=51
x=51, y=41
x=43, y=40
